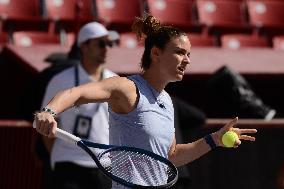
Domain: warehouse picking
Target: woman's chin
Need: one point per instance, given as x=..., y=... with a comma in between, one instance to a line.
x=179, y=75
x=178, y=78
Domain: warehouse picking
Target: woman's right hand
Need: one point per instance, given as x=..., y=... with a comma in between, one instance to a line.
x=45, y=124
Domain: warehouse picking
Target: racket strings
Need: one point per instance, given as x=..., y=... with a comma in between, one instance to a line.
x=121, y=160
x=137, y=168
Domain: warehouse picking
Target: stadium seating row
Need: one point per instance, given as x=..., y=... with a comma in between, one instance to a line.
x=228, y=41
x=129, y=40
x=214, y=18
x=44, y=14
x=213, y=15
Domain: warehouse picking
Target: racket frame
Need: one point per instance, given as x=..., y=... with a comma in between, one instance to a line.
x=85, y=144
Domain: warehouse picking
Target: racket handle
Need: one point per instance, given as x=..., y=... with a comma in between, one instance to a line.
x=68, y=137
x=63, y=135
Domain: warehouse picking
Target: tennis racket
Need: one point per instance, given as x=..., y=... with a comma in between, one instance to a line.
x=129, y=166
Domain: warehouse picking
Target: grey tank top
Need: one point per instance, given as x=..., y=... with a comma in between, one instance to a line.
x=149, y=126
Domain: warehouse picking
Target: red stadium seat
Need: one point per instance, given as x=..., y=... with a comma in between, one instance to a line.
x=61, y=9
x=267, y=16
x=86, y=10
x=179, y=13
x=26, y=39
x=222, y=16
x=21, y=15
x=118, y=14
x=199, y=40
x=226, y=0
x=278, y=42
x=68, y=15
x=129, y=40
x=267, y=0
x=237, y=41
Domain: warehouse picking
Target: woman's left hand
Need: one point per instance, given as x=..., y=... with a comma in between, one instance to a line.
x=242, y=133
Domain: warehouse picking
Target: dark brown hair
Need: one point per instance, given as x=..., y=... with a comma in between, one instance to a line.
x=155, y=34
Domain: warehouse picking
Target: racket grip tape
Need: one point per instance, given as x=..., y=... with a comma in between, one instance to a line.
x=64, y=135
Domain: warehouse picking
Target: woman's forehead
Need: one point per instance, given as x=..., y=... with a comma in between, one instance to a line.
x=181, y=41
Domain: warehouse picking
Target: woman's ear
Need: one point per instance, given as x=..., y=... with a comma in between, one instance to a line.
x=155, y=53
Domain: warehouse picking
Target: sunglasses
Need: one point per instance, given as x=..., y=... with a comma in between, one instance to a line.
x=105, y=43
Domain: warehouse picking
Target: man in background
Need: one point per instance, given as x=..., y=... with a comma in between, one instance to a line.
x=72, y=168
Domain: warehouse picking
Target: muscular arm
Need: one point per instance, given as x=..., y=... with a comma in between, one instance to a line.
x=181, y=154
x=119, y=92
x=83, y=94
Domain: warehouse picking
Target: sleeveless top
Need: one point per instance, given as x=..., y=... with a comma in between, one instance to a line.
x=149, y=126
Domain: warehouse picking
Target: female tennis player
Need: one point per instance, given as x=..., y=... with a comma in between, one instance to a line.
x=141, y=112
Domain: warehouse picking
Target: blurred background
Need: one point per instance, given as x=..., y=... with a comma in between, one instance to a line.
x=237, y=69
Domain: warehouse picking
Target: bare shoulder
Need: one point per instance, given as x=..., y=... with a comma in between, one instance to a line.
x=124, y=95
x=121, y=84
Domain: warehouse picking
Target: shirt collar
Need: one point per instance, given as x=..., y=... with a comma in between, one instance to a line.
x=84, y=76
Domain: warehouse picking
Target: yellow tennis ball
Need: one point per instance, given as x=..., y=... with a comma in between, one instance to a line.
x=229, y=139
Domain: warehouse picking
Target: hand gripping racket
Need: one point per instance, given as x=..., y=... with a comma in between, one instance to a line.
x=129, y=166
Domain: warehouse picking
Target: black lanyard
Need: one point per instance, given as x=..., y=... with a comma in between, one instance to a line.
x=77, y=79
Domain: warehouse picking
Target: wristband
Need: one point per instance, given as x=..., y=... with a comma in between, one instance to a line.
x=49, y=110
x=209, y=140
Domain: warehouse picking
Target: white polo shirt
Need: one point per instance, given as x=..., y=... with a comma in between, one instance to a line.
x=96, y=114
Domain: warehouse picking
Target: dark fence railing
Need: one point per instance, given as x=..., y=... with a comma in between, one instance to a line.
x=19, y=166
x=254, y=165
